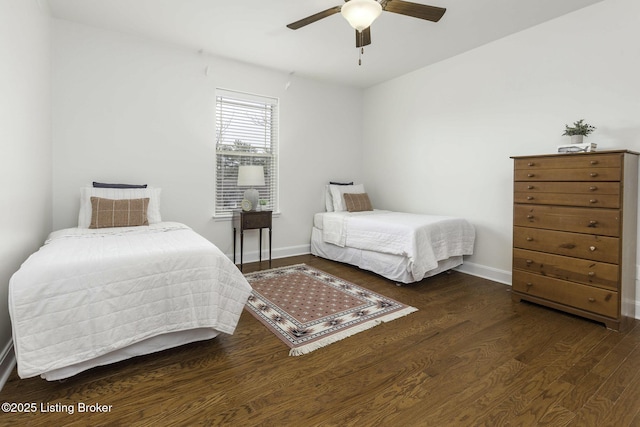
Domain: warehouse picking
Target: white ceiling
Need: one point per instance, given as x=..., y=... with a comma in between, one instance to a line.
x=255, y=31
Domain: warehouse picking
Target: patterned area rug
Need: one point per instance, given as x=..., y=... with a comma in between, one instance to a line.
x=308, y=308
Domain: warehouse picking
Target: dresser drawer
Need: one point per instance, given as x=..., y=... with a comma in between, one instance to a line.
x=578, y=174
x=589, y=298
x=591, y=194
x=584, y=271
x=575, y=245
x=604, y=222
x=563, y=199
x=570, y=161
x=592, y=188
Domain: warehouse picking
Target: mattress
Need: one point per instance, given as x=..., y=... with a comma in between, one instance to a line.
x=392, y=267
x=90, y=297
x=424, y=240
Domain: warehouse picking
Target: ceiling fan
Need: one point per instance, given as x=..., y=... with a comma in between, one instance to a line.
x=361, y=13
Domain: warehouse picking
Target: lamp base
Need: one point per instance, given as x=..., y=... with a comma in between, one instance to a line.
x=252, y=195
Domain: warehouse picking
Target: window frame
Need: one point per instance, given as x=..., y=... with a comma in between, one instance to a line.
x=246, y=133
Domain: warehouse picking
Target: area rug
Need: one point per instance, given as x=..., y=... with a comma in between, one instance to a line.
x=309, y=309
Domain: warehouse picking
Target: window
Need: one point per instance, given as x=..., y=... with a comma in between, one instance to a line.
x=246, y=134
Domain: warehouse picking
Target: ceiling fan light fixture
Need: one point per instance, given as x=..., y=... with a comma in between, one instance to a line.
x=361, y=13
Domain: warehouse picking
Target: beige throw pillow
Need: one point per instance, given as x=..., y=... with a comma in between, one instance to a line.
x=357, y=202
x=118, y=213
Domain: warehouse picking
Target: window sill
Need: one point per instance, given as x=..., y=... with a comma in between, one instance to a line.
x=222, y=218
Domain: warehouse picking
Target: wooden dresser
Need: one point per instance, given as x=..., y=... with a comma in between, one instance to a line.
x=574, y=233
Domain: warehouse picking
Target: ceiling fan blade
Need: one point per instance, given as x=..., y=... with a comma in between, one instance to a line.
x=364, y=38
x=313, y=18
x=422, y=11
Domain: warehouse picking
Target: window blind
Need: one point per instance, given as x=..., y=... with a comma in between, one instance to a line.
x=246, y=134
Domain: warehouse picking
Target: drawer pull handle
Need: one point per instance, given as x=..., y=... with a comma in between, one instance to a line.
x=592, y=248
x=593, y=174
x=591, y=274
x=529, y=216
x=593, y=188
x=593, y=223
x=529, y=284
x=530, y=164
x=591, y=299
x=593, y=201
x=529, y=239
x=530, y=175
x=529, y=262
x=530, y=187
x=594, y=162
x=529, y=197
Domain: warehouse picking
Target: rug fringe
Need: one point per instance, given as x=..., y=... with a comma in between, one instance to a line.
x=308, y=348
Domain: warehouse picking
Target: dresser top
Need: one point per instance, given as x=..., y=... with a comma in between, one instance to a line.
x=577, y=154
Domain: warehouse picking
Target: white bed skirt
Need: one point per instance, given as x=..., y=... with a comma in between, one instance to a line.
x=393, y=267
x=150, y=345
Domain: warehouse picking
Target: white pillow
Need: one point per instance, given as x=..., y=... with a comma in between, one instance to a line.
x=153, y=211
x=328, y=199
x=338, y=190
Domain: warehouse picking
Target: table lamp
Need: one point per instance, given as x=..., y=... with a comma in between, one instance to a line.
x=251, y=176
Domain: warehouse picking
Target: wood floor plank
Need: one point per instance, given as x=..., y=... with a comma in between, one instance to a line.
x=542, y=405
x=618, y=354
x=468, y=356
x=466, y=410
x=545, y=372
x=556, y=416
x=619, y=380
x=593, y=413
x=580, y=393
x=592, y=358
x=626, y=411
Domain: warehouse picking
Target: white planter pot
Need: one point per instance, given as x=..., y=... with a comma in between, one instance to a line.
x=577, y=139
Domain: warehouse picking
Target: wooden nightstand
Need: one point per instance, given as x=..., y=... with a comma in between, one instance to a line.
x=251, y=220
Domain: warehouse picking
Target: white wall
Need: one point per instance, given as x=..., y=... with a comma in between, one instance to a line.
x=443, y=134
x=25, y=143
x=133, y=110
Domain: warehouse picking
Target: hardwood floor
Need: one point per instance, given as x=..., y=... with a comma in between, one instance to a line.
x=468, y=357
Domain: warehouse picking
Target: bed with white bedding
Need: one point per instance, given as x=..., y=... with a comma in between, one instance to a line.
x=402, y=247
x=90, y=297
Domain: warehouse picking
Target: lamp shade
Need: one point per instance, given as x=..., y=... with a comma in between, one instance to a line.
x=250, y=175
x=361, y=13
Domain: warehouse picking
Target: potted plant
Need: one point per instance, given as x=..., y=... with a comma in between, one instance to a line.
x=578, y=131
x=262, y=204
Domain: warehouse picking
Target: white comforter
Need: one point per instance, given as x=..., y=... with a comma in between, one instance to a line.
x=86, y=293
x=423, y=239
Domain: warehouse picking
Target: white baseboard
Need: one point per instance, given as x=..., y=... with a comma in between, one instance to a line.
x=500, y=276
x=7, y=363
x=253, y=256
